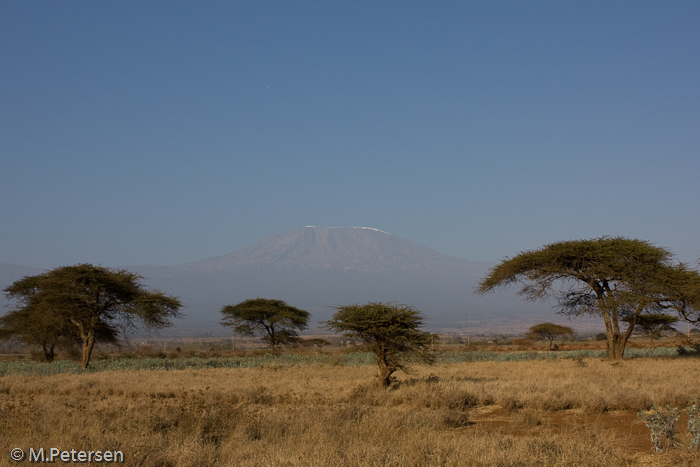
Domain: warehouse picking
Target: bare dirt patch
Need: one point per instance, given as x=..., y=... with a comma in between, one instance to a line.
x=623, y=426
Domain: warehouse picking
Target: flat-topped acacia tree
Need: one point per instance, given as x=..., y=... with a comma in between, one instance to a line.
x=653, y=326
x=277, y=322
x=548, y=332
x=88, y=302
x=615, y=278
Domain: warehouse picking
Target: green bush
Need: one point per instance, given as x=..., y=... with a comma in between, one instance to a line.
x=663, y=423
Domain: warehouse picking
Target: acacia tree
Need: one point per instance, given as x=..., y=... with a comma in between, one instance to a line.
x=277, y=322
x=389, y=330
x=652, y=326
x=612, y=277
x=548, y=332
x=87, y=303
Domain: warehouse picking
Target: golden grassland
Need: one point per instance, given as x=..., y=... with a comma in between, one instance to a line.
x=540, y=412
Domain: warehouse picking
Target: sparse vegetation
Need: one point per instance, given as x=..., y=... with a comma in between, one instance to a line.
x=528, y=413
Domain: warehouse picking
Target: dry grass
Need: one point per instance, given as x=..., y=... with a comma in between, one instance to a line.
x=471, y=414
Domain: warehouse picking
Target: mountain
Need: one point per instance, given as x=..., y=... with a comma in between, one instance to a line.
x=318, y=268
x=331, y=248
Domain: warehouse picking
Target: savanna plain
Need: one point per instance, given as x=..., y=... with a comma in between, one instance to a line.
x=326, y=412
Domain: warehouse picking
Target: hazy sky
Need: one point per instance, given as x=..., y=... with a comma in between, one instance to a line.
x=168, y=132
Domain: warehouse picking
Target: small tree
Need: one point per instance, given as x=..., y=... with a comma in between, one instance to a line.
x=276, y=321
x=652, y=326
x=389, y=330
x=548, y=332
x=85, y=303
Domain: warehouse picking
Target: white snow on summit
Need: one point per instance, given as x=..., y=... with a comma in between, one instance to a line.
x=365, y=228
x=372, y=228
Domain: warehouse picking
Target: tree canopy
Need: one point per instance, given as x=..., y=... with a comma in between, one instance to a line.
x=389, y=330
x=83, y=303
x=610, y=277
x=277, y=322
x=548, y=332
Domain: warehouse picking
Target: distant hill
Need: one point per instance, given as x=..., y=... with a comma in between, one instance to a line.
x=317, y=268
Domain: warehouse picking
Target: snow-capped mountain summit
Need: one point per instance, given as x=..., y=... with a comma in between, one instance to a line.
x=317, y=268
x=331, y=248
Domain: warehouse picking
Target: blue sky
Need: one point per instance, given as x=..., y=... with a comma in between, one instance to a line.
x=168, y=132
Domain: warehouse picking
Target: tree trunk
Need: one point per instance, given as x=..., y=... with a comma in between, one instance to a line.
x=385, y=367
x=272, y=336
x=88, y=344
x=617, y=341
x=615, y=349
x=49, y=354
x=384, y=374
x=616, y=346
